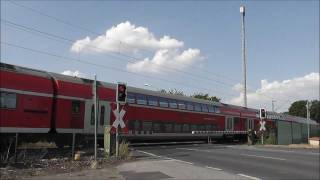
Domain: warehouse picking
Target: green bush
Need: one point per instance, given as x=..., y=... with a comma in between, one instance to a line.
x=271, y=139
x=124, y=151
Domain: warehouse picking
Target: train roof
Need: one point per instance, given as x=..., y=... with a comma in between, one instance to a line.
x=79, y=80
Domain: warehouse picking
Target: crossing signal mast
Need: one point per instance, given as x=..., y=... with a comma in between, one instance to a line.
x=263, y=116
x=121, y=96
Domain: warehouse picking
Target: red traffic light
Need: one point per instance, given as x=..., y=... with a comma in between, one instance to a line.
x=121, y=93
x=263, y=113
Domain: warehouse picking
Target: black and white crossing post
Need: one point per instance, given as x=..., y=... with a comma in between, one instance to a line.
x=263, y=115
x=121, y=99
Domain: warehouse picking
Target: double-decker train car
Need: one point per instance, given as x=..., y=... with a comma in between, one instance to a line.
x=42, y=105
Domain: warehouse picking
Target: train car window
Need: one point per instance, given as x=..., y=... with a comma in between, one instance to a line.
x=202, y=127
x=173, y=103
x=92, y=115
x=182, y=105
x=204, y=108
x=131, y=98
x=147, y=126
x=168, y=127
x=163, y=102
x=250, y=123
x=8, y=100
x=194, y=127
x=75, y=107
x=217, y=109
x=152, y=101
x=141, y=99
x=197, y=107
x=157, y=127
x=229, y=123
x=208, y=127
x=137, y=125
x=190, y=106
x=186, y=128
x=211, y=108
x=177, y=128
x=102, y=115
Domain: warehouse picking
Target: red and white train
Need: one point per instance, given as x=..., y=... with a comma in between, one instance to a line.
x=53, y=106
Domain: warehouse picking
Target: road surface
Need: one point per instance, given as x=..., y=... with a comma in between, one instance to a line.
x=247, y=161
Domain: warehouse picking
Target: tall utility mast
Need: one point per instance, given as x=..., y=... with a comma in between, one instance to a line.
x=244, y=61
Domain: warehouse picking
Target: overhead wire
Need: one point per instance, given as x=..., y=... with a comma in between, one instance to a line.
x=78, y=27
x=107, y=67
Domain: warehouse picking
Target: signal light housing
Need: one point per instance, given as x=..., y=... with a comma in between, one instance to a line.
x=121, y=93
x=263, y=113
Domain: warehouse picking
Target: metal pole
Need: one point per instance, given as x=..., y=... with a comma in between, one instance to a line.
x=117, y=132
x=15, y=148
x=244, y=61
x=95, y=117
x=73, y=144
x=308, y=119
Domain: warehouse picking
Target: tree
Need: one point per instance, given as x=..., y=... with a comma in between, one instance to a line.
x=315, y=110
x=172, y=91
x=206, y=97
x=298, y=108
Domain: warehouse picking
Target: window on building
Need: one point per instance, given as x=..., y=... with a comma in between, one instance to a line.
x=190, y=106
x=197, y=107
x=131, y=98
x=92, y=115
x=217, y=109
x=152, y=101
x=211, y=108
x=102, y=115
x=204, y=108
x=163, y=102
x=141, y=99
x=8, y=100
x=173, y=103
x=229, y=123
x=75, y=107
x=181, y=105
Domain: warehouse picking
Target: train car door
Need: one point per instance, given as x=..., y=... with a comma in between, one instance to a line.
x=103, y=116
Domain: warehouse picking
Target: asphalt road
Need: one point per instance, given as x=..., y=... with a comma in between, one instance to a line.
x=247, y=161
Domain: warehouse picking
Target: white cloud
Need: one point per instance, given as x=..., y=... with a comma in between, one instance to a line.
x=284, y=92
x=166, y=58
x=131, y=39
x=74, y=73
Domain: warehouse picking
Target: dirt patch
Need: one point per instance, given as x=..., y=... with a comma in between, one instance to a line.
x=52, y=161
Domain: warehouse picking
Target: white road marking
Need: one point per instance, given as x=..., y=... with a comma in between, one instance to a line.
x=189, y=149
x=250, y=177
x=218, y=169
x=180, y=161
x=166, y=158
x=266, y=157
x=274, y=150
x=150, y=154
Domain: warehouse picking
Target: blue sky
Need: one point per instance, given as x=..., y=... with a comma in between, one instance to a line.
x=282, y=43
